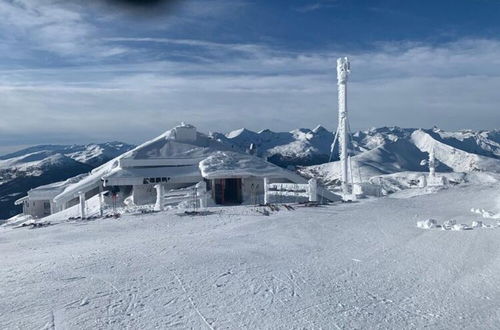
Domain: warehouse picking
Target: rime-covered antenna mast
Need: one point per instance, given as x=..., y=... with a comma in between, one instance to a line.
x=343, y=70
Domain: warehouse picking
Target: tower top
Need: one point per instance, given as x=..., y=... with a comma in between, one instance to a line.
x=343, y=69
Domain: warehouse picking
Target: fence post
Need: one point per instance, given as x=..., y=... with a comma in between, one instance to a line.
x=159, y=197
x=266, y=196
x=81, y=195
x=313, y=190
x=101, y=201
x=202, y=193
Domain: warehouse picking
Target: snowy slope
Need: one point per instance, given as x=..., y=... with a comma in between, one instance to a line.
x=362, y=265
x=44, y=164
x=392, y=150
x=456, y=159
x=298, y=147
x=312, y=147
x=92, y=154
x=485, y=143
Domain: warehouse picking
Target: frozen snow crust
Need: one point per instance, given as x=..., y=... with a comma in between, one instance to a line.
x=362, y=265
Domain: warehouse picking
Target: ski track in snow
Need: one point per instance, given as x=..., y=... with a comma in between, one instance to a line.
x=344, y=266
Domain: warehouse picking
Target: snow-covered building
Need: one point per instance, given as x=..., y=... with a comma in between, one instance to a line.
x=179, y=158
x=39, y=202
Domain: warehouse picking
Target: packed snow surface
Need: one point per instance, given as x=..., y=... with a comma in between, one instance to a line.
x=346, y=266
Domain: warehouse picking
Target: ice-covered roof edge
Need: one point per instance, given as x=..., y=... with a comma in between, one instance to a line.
x=94, y=178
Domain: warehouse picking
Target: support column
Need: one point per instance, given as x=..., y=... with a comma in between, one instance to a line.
x=266, y=196
x=422, y=182
x=313, y=190
x=81, y=195
x=101, y=202
x=159, y=197
x=201, y=191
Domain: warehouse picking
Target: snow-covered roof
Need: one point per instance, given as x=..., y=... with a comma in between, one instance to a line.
x=21, y=200
x=170, y=151
x=159, y=153
x=229, y=164
x=49, y=191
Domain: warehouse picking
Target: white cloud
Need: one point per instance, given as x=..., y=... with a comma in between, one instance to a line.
x=318, y=5
x=74, y=30
x=221, y=86
x=51, y=26
x=417, y=86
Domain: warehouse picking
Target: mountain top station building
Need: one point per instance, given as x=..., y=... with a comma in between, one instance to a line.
x=179, y=158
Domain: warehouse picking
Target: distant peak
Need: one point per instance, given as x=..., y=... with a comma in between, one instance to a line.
x=301, y=130
x=319, y=129
x=237, y=133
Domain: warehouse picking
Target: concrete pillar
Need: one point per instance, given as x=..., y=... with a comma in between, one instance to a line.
x=159, y=197
x=313, y=190
x=422, y=182
x=266, y=196
x=81, y=195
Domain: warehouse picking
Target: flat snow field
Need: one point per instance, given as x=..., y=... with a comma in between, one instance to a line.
x=344, y=266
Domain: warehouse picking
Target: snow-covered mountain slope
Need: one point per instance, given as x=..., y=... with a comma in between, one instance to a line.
x=312, y=147
x=391, y=150
x=298, y=147
x=485, y=143
x=44, y=164
x=455, y=158
x=361, y=265
x=92, y=154
x=390, y=157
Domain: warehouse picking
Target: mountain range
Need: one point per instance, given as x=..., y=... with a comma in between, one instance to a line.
x=43, y=164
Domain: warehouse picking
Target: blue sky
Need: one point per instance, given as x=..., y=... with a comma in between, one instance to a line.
x=92, y=71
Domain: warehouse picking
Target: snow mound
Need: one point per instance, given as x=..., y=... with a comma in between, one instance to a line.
x=485, y=214
x=460, y=226
x=448, y=224
x=17, y=220
x=477, y=224
x=91, y=209
x=427, y=224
